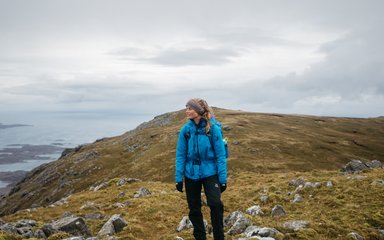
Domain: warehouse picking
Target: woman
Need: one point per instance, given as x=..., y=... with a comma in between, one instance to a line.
x=200, y=160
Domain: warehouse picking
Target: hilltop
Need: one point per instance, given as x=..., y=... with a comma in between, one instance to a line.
x=258, y=143
x=292, y=161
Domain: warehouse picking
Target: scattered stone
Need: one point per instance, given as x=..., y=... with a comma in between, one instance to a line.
x=101, y=186
x=375, y=164
x=89, y=206
x=48, y=230
x=123, y=181
x=73, y=225
x=75, y=238
x=179, y=238
x=297, y=182
x=378, y=182
x=8, y=228
x=278, y=211
x=95, y=215
x=185, y=223
x=357, y=177
x=252, y=231
x=121, y=205
x=142, y=192
x=296, y=225
x=354, y=166
x=255, y=210
x=329, y=184
x=114, y=225
x=354, y=236
x=121, y=194
x=264, y=198
x=297, y=198
x=312, y=185
x=39, y=234
x=381, y=232
x=237, y=223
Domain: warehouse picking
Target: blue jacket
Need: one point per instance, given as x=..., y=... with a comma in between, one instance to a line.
x=196, y=158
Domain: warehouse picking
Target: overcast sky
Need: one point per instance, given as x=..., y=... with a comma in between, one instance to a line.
x=323, y=57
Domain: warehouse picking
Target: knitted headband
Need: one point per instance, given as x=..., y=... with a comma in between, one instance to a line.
x=196, y=106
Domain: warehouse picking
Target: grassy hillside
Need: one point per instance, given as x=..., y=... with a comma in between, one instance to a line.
x=258, y=143
x=353, y=204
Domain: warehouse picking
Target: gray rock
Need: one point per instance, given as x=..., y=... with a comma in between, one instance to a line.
x=252, y=231
x=296, y=225
x=73, y=225
x=142, y=192
x=375, y=164
x=354, y=236
x=312, y=185
x=123, y=181
x=354, y=166
x=297, y=182
x=264, y=198
x=48, y=230
x=179, y=238
x=237, y=223
x=381, y=232
x=75, y=238
x=8, y=228
x=89, y=206
x=100, y=186
x=25, y=223
x=114, y=225
x=26, y=232
x=297, y=198
x=329, y=184
x=278, y=211
x=378, y=182
x=2, y=222
x=255, y=210
x=39, y=234
x=185, y=223
x=95, y=215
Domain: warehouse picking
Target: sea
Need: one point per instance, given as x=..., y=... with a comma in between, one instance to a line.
x=61, y=129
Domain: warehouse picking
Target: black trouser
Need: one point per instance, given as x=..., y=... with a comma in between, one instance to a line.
x=213, y=193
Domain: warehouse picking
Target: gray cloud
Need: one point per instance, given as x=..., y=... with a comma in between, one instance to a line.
x=183, y=57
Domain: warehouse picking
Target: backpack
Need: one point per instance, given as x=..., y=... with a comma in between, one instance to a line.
x=225, y=140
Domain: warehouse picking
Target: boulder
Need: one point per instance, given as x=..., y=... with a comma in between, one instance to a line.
x=48, y=230
x=114, y=225
x=8, y=228
x=237, y=223
x=354, y=166
x=73, y=225
x=39, y=234
x=255, y=210
x=296, y=225
x=329, y=184
x=278, y=211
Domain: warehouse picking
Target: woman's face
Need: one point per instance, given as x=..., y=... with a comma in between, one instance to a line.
x=191, y=114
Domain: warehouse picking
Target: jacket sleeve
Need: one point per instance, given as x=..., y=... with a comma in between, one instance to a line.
x=219, y=149
x=181, y=155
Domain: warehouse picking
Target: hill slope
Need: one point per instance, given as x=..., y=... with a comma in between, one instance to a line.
x=261, y=143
